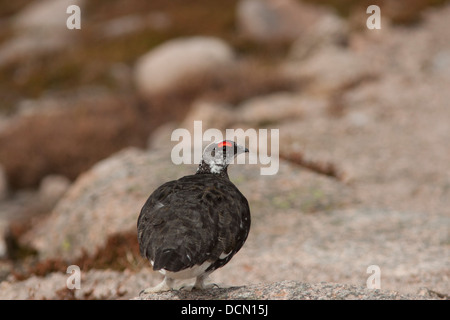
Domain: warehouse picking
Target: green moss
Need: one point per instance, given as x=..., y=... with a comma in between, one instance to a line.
x=134, y=189
x=285, y=201
x=66, y=245
x=281, y=202
x=239, y=179
x=317, y=200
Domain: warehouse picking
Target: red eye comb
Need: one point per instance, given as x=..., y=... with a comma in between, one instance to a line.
x=224, y=143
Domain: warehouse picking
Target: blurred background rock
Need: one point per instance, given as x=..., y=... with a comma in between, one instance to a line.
x=86, y=117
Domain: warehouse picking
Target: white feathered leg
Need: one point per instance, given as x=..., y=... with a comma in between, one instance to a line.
x=165, y=285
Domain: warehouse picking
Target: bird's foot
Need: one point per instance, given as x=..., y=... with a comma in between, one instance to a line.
x=200, y=285
x=165, y=285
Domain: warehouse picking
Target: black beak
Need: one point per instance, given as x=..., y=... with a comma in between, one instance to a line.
x=239, y=149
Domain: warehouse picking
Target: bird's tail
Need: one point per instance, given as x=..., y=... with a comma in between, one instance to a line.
x=167, y=259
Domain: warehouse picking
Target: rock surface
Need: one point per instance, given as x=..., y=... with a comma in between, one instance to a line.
x=94, y=284
x=289, y=238
x=125, y=285
x=287, y=290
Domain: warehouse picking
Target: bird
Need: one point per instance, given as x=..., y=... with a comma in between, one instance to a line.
x=192, y=226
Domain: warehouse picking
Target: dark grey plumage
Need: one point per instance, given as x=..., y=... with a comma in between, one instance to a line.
x=198, y=220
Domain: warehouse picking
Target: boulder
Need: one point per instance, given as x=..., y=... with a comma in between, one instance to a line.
x=103, y=201
x=178, y=60
x=44, y=16
x=305, y=225
x=97, y=284
x=328, y=31
x=289, y=290
x=329, y=69
x=270, y=108
x=94, y=285
x=276, y=20
x=39, y=28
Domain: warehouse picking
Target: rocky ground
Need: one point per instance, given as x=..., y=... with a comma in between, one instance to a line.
x=363, y=119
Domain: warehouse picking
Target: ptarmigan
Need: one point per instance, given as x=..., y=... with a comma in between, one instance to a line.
x=194, y=225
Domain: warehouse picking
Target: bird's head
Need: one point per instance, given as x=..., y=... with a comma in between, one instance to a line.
x=218, y=155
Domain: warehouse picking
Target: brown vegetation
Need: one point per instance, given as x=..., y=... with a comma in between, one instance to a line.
x=120, y=252
x=398, y=11
x=321, y=167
